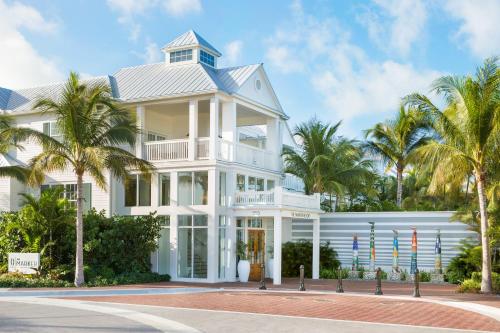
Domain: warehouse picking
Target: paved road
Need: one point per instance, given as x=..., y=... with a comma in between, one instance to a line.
x=50, y=315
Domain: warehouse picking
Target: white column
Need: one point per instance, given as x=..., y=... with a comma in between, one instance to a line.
x=229, y=121
x=214, y=127
x=213, y=221
x=316, y=235
x=193, y=129
x=277, y=249
x=231, y=248
x=141, y=125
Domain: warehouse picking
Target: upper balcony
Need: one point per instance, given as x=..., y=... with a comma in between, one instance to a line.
x=279, y=198
x=209, y=129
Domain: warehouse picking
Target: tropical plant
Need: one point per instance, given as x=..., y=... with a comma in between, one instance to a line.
x=12, y=137
x=93, y=127
x=469, y=137
x=241, y=249
x=395, y=141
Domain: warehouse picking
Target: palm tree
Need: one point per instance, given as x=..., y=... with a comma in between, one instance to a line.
x=326, y=164
x=11, y=137
x=469, y=136
x=396, y=140
x=93, y=127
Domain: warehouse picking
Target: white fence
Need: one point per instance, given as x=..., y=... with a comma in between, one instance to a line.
x=277, y=197
x=338, y=229
x=245, y=154
x=166, y=150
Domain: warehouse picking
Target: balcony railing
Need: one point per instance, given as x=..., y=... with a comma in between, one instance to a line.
x=245, y=154
x=277, y=197
x=171, y=150
x=202, y=147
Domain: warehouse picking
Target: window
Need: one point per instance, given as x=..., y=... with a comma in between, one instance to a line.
x=69, y=193
x=222, y=188
x=192, y=246
x=240, y=183
x=270, y=185
x=207, y=58
x=255, y=184
x=163, y=257
x=155, y=137
x=51, y=129
x=181, y=55
x=165, y=189
x=138, y=190
x=192, y=188
x=224, y=254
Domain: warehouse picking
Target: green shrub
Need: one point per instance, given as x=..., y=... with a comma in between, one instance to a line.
x=16, y=280
x=299, y=253
x=469, y=286
x=424, y=276
x=404, y=275
x=464, y=264
x=361, y=271
x=329, y=273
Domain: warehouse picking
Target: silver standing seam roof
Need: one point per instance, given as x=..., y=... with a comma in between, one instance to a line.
x=191, y=38
x=145, y=82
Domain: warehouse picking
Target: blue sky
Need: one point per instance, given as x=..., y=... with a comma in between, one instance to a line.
x=338, y=60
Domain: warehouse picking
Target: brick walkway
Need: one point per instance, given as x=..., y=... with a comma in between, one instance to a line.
x=329, y=306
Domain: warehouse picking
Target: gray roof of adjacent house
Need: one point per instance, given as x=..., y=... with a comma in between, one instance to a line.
x=145, y=82
x=190, y=38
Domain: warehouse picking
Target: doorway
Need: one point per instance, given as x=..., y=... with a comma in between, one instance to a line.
x=256, y=252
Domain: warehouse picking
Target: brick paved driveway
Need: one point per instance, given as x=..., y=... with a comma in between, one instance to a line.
x=330, y=306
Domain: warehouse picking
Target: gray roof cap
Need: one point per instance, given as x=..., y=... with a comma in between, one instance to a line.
x=191, y=38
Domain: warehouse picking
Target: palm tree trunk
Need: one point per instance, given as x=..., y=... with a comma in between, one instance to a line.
x=79, y=277
x=467, y=189
x=399, y=193
x=485, y=242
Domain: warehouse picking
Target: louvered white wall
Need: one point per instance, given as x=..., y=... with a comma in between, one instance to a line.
x=338, y=228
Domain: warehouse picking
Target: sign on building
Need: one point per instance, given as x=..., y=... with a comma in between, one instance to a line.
x=26, y=263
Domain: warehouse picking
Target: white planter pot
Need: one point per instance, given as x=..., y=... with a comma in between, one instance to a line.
x=243, y=270
x=270, y=267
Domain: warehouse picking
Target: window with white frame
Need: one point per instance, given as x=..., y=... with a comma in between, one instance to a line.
x=207, y=58
x=163, y=257
x=222, y=188
x=181, y=55
x=152, y=136
x=51, y=129
x=164, y=184
x=192, y=188
x=69, y=192
x=224, y=252
x=138, y=190
x=192, y=246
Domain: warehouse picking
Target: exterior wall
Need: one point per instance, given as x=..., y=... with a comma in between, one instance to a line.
x=338, y=229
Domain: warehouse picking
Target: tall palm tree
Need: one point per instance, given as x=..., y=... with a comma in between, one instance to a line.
x=93, y=127
x=11, y=137
x=469, y=136
x=396, y=140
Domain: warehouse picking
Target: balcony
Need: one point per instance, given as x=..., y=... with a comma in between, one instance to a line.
x=277, y=198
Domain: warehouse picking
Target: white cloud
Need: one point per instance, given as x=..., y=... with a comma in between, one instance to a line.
x=350, y=82
x=479, y=25
x=395, y=25
x=232, y=53
x=182, y=7
x=128, y=10
x=20, y=63
x=152, y=53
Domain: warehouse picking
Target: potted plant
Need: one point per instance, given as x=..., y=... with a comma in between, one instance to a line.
x=270, y=261
x=243, y=264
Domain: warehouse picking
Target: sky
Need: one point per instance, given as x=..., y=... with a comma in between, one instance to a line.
x=336, y=60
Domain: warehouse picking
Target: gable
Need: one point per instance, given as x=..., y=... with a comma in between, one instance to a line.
x=265, y=95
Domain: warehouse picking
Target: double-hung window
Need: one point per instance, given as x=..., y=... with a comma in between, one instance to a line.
x=164, y=189
x=51, y=129
x=138, y=190
x=207, y=58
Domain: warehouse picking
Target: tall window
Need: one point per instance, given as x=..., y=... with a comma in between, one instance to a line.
x=138, y=190
x=207, y=58
x=192, y=241
x=222, y=188
x=165, y=189
x=69, y=193
x=192, y=188
x=163, y=263
x=181, y=55
x=223, y=248
x=240, y=183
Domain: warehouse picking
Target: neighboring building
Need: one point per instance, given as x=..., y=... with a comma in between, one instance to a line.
x=215, y=136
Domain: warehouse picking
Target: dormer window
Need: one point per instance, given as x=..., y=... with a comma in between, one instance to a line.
x=207, y=58
x=181, y=55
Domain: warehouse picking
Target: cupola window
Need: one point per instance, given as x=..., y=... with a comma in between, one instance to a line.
x=207, y=58
x=181, y=55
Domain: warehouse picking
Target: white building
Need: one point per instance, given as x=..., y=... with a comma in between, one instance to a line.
x=215, y=136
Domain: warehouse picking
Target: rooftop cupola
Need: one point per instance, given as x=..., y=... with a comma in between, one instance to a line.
x=190, y=48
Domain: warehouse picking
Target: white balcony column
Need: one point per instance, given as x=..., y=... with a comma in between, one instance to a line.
x=273, y=143
x=277, y=249
x=316, y=239
x=141, y=125
x=214, y=127
x=229, y=130
x=193, y=129
x=213, y=222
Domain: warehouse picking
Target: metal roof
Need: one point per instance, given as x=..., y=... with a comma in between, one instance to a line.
x=145, y=82
x=190, y=38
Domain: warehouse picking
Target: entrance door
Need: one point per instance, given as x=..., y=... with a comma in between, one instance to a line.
x=256, y=252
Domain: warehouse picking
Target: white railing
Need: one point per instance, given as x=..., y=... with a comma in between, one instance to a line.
x=203, y=147
x=293, y=183
x=166, y=150
x=245, y=154
x=277, y=197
